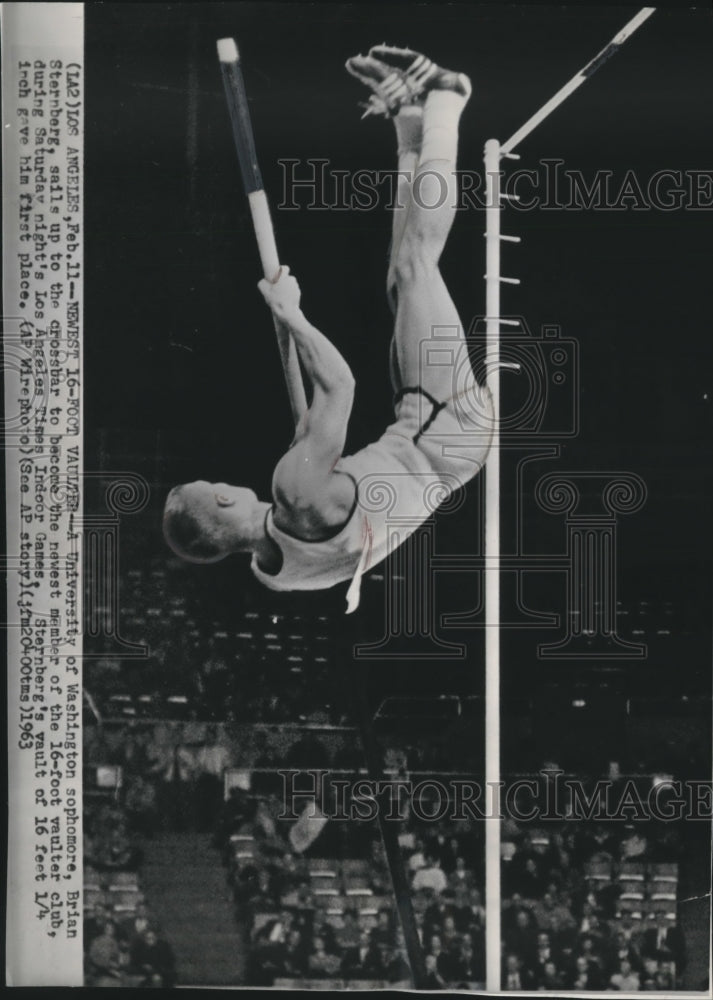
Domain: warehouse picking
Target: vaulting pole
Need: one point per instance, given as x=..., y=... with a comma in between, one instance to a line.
x=259, y=209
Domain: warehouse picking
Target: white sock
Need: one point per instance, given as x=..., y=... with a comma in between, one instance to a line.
x=409, y=129
x=441, y=115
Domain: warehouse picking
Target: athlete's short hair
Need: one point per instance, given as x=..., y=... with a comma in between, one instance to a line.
x=189, y=529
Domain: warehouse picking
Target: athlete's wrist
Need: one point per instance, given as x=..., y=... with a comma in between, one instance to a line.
x=291, y=315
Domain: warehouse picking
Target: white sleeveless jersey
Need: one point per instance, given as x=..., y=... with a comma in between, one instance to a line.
x=397, y=489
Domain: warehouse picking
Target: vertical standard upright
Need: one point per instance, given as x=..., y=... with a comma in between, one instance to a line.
x=494, y=153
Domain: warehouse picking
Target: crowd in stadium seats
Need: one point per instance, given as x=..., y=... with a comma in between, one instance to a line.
x=122, y=940
x=323, y=918
x=271, y=667
x=585, y=906
x=590, y=906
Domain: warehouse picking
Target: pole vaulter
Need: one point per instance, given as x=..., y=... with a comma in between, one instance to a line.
x=328, y=523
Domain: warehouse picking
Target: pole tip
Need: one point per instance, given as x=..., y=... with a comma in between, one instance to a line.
x=227, y=50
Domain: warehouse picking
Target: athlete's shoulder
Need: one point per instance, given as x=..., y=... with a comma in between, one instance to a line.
x=308, y=504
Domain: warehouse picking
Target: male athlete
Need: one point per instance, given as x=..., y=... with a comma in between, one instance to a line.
x=329, y=521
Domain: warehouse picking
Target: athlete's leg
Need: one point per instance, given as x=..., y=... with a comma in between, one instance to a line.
x=423, y=301
x=402, y=83
x=408, y=123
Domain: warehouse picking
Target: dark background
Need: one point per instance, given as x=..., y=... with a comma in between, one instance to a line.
x=182, y=372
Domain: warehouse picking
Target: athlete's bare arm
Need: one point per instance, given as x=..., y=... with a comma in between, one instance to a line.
x=310, y=499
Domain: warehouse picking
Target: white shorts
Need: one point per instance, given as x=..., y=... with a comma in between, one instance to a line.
x=453, y=434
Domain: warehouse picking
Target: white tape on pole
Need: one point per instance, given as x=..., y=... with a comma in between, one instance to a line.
x=264, y=234
x=269, y=258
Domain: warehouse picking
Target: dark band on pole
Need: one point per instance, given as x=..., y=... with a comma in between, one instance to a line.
x=599, y=60
x=242, y=126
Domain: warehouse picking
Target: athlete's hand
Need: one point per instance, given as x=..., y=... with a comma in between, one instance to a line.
x=282, y=295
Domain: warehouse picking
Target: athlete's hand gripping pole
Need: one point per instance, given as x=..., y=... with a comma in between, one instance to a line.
x=259, y=209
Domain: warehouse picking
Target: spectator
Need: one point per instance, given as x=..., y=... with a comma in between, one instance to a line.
x=521, y=939
x=438, y=845
x=294, y=956
x=398, y=969
x=460, y=876
x=175, y=770
x=626, y=979
x=279, y=928
x=621, y=950
x=417, y=859
x=153, y=956
x=321, y=928
x=301, y=898
x=528, y=882
x=516, y=976
x=634, y=846
x=258, y=893
x=349, y=934
x=113, y=851
x=585, y=975
x=105, y=957
x=464, y=914
x=587, y=948
x=664, y=980
x=551, y=916
x=287, y=873
x=450, y=936
x=550, y=978
x=665, y=942
x=141, y=806
x=211, y=760
x=476, y=908
x=364, y=961
x=233, y=815
x=379, y=875
x=95, y=923
x=431, y=876
x=383, y=933
x=434, y=979
x=544, y=953
x=466, y=966
x=264, y=960
x=420, y=925
x=135, y=925
x=437, y=910
x=445, y=963
x=321, y=962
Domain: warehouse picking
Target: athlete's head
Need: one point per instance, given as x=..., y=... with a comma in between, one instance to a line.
x=204, y=522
